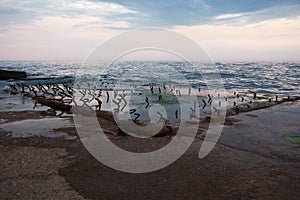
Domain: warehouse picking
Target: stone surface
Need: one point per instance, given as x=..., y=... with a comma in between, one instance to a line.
x=250, y=161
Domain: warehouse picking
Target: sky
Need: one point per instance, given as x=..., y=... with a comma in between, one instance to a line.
x=231, y=30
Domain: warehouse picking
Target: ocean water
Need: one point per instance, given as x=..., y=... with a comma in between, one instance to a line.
x=264, y=78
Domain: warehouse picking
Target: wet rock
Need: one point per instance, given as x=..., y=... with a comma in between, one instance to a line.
x=56, y=105
x=165, y=131
x=291, y=98
x=242, y=108
x=208, y=118
x=49, y=112
x=251, y=115
x=228, y=123
x=105, y=114
x=109, y=127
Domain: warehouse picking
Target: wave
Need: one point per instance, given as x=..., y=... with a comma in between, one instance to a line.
x=275, y=78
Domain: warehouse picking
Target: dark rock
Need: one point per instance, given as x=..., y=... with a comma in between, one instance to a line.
x=5, y=74
x=110, y=127
x=51, y=112
x=105, y=115
x=165, y=131
x=56, y=105
x=228, y=123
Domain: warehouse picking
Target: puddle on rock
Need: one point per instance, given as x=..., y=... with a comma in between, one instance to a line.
x=39, y=128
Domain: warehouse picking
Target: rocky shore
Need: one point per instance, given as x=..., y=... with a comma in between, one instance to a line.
x=250, y=161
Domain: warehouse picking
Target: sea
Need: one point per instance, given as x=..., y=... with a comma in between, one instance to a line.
x=267, y=79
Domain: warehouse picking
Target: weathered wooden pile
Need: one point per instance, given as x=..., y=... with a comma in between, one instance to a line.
x=61, y=97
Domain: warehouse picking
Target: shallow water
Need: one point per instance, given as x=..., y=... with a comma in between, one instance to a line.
x=38, y=127
x=18, y=103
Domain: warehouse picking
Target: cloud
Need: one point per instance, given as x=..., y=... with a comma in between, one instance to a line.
x=158, y=13
x=270, y=40
x=228, y=16
x=69, y=29
x=64, y=38
x=54, y=38
x=155, y=13
x=276, y=12
x=20, y=12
